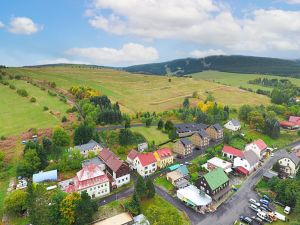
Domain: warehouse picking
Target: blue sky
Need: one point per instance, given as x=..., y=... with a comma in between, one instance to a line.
x=126, y=32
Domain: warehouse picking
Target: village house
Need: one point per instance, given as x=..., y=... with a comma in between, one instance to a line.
x=231, y=153
x=130, y=158
x=289, y=164
x=96, y=160
x=246, y=163
x=145, y=164
x=90, y=179
x=187, y=129
x=91, y=146
x=214, y=183
x=183, y=147
x=116, y=168
x=200, y=139
x=293, y=123
x=233, y=125
x=216, y=162
x=258, y=146
x=179, y=177
x=215, y=132
x=164, y=157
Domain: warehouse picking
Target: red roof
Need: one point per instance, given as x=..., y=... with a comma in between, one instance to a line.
x=242, y=170
x=147, y=159
x=110, y=159
x=164, y=152
x=294, y=119
x=233, y=151
x=287, y=124
x=298, y=153
x=132, y=154
x=260, y=144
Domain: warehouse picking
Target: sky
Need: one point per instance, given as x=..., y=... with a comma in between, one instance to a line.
x=128, y=32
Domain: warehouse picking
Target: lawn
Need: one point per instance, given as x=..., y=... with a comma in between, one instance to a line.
x=18, y=114
x=164, y=183
x=136, y=93
x=152, y=134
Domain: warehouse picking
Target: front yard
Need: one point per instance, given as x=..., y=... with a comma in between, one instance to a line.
x=164, y=183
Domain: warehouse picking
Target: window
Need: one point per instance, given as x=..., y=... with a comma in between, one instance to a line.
x=153, y=165
x=146, y=167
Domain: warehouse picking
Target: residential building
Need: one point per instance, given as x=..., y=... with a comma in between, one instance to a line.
x=91, y=146
x=231, y=153
x=292, y=124
x=195, y=198
x=96, y=160
x=200, y=139
x=183, y=147
x=187, y=129
x=269, y=174
x=216, y=162
x=145, y=164
x=179, y=177
x=90, y=179
x=120, y=219
x=215, y=132
x=44, y=176
x=130, y=158
x=289, y=164
x=214, y=184
x=247, y=163
x=258, y=146
x=233, y=125
x=115, y=167
x=164, y=157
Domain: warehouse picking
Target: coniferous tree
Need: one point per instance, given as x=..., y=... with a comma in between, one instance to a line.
x=150, y=188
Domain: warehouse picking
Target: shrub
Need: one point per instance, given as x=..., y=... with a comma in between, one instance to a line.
x=3, y=138
x=11, y=86
x=22, y=92
x=33, y=99
x=4, y=82
x=71, y=110
x=64, y=119
x=51, y=93
x=45, y=108
x=18, y=77
x=43, y=88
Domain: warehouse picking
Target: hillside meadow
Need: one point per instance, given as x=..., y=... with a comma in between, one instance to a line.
x=136, y=92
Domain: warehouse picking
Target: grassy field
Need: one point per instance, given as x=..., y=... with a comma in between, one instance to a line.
x=164, y=183
x=237, y=80
x=140, y=92
x=18, y=114
x=151, y=134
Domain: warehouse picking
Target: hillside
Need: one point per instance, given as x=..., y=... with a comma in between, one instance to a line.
x=232, y=64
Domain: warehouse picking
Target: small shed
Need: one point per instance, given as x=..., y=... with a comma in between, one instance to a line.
x=45, y=176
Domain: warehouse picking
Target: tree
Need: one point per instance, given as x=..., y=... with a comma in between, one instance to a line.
x=148, y=122
x=60, y=137
x=83, y=134
x=15, y=202
x=86, y=205
x=276, y=167
x=133, y=206
x=169, y=125
x=160, y=124
x=172, y=134
x=47, y=144
x=54, y=208
x=150, y=188
x=186, y=103
x=140, y=187
x=256, y=120
x=29, y=165
x=244, y=112
x=68, y=208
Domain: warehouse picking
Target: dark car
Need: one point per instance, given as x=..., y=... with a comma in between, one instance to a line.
x=246, y=219
x=266, y=198
x=267, y=208
x=257, y=220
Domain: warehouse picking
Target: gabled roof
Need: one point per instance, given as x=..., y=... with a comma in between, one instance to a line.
x=132, y=154
x=292, y=156
x=202, y=134
x=233, y=151
x=235, y=122
x=91, y=144
x=287, y=123
x=216, y=178
x=294, y=119
x=189, y=127
x=217, y=127
x=164, y=153
x=260, y=144
x=146, y=158
x=89, y=172
x=251, y=157
x=183, y=170
x=94, y=160
x=110, y=159
x=185, y=142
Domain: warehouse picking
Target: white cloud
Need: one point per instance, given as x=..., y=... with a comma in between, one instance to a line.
x=204, y=53
x=60, y=60
x=205, y=22
x=23, y=25
x=292, y=1
x=1, y=25
x=130, y=53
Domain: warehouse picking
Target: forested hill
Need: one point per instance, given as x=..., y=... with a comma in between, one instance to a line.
x=233, y=64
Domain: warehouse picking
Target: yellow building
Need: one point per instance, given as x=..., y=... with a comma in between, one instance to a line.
x=164, y=157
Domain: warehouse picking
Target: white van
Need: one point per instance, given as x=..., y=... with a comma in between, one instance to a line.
x=287, y=210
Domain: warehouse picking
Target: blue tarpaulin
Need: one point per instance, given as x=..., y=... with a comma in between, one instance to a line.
x=45, y=176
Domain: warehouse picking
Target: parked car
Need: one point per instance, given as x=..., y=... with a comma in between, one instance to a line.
x=258, y=220
x=264, y=201
x=254, y=207
x=266, y=198
x=246, y=219
x=287, y=210
x=264, y=216
x=272, y=154
x=253, y=201
x=188, y=163
x=266, y=208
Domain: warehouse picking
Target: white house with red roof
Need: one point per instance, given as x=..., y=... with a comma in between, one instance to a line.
x=145, y=164
x=293, y=123
x=90, y=179
x=130, y=158
x=258, y=146
x=231, y=153
x=164, y=157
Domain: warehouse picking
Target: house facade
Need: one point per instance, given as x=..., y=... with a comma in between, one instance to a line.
x=145, y=164
x=90, y=179
x=115, y=167
x=215, y=184
x=200, y=139
x=258, y=146
x=91, y=146
x=233, y=125
x=289, y=164
x=164, y=157
x=247, y=163
x=130, y=158
x=231, y=153
x=183, y=147
x=215, y=132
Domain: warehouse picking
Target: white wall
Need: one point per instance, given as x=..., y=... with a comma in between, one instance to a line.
x=287, y=162
x=98, y=190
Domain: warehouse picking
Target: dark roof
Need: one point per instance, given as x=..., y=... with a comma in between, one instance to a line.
x=190, y=127
x=251, y=157
x=91, y=144
x=185, y=141
x=217, y=127
x=269, y=174
x=235, y=122
x=202, y=133
x=110, y=159
x=292, y=156
x=94, y=160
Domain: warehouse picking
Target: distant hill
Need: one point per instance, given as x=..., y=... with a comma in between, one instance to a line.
x=233, y=64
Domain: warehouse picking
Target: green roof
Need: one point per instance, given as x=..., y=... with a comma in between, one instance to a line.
x=216, y=178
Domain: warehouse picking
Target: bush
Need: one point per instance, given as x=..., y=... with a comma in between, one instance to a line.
x=71, y=110
x=3, y=138
x=22, y=92
x=45, y=108
x=11, y=86
x=18, y=77
x=64, y=119
x=43, y=88
x=4, y=82
x=33, y=99
x=51, y=93
x=15, y=202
